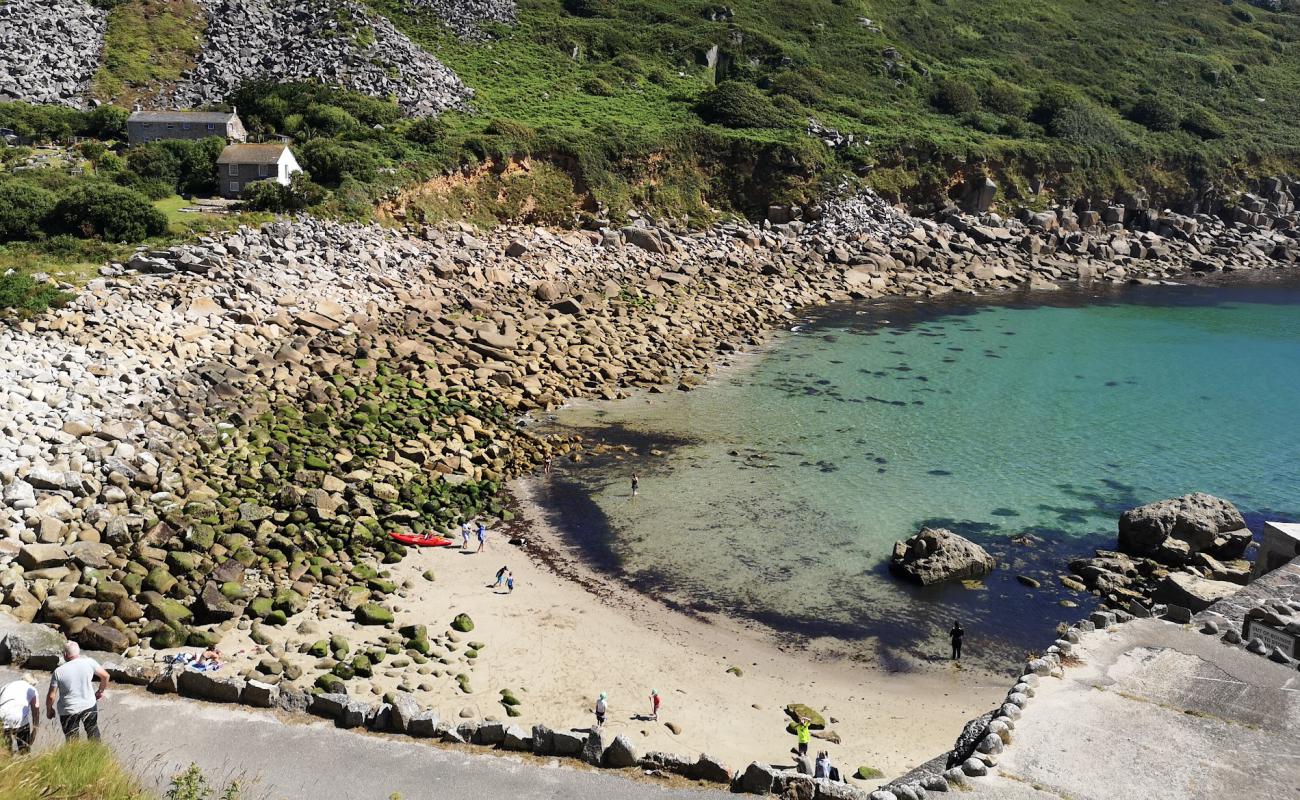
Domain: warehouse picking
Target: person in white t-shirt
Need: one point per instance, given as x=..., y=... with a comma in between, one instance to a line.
x=72, y=684
x=20, y=713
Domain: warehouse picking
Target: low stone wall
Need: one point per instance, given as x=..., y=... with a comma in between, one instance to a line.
x=32, y=646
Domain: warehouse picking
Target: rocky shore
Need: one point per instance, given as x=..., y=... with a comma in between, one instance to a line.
x=213, y=441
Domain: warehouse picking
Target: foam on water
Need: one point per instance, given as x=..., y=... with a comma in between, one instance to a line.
x=784, y=485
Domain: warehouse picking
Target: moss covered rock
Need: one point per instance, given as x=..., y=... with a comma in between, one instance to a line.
x=462, y=623
x=373, y=614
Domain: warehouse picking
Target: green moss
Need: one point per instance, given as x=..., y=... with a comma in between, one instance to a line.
x=373, y=614
x=866, y=773
x=462, y=623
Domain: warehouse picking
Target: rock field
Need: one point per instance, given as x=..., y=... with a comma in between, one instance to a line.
x=49, y=50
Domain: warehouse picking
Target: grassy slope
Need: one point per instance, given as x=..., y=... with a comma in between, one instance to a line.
x=76, y=771
x=147, y=44
x=1188, y=53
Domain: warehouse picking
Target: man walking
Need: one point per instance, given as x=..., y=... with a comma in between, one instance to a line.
x=955, y=634
x=20, y=713
x=78, y=700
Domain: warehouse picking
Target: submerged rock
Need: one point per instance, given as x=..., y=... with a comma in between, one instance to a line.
x=937, y=555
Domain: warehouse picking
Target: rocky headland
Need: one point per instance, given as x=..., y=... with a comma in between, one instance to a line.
x=214, y=440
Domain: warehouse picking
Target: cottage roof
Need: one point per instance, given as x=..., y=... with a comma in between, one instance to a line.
x=252, y=154
x=201, y=117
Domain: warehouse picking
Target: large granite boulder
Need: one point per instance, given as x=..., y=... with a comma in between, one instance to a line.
x=936, y=555
x=1171, y=531
x=1191, y=591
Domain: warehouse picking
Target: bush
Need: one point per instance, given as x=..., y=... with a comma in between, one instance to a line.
x=427, y=130
x=1085, y=123
x=589, y=8
x=1243, y=15
x=797, y=85
x=597, y=87
x=24, y=210
x=1006, y=99
x=114, y=213
x=302, y=192
x=327, y=120
x=107, y=122
x=19, y=291
x=734, y=104
x=1201, y=121
x=1155, y=113
x=952, y=96
x=328, y=161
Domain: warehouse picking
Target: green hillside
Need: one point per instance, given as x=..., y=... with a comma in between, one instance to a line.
x=1110, y=89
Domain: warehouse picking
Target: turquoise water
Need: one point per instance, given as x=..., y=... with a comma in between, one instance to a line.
x=783, y=485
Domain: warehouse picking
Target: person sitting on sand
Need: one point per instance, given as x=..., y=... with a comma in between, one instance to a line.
x=822, y=769
x=654, y=704
x=804, y=732
x=602, y=708
x=501, y=577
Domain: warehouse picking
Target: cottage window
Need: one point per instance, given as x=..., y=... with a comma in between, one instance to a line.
x=261, y=171
x=212, y=126
x=232, y=170
x=171, y=125
x=146, y=124
x=185, y=126
x=234, y=187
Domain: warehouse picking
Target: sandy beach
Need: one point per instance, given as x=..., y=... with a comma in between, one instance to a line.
x=564, y=635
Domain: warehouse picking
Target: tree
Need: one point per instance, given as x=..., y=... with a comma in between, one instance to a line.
x=269, y=195
x=24, y=210
x=107, y=122
x=328, y=161
x=114, y=213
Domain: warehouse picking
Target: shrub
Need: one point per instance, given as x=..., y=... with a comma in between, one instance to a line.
x=597, y=87
x=1243, y=15
x=953, y=96
x=510, y=129
x=107, y=122
x=1006, y=99
x=1155, y=113
x=302, y=192
x=24, y=210
x=1085, y=123
x=112, y=212
x=327, y=120
x=589, y=8
x=797, y=85
x=328, y=161
x=427, y=130
x=734, y=104
x=20, y=292
x=1202, y=122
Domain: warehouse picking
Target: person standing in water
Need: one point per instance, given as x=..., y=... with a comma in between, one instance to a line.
x=636, y=483
x=955, y=635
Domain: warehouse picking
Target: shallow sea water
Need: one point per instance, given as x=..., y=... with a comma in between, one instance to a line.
x=783, y=485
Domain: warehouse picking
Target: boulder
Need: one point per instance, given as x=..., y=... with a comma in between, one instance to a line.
x=31, y=645
x=645, y=239
x=490, y=733
x=1191, y=591
x=708, y=768
x=621, y=753
x=42, y=556
x=404, y=709
x=97, y=636
x=758, y=779
x=373, y=614
x=1169, y=529
x=516, y=739
x=593, y=749
x=213, y=606
x=543, y=740
x=423, y=724
x=567, y=743
x=936, y=555
x=207, y=686
x=260, y=695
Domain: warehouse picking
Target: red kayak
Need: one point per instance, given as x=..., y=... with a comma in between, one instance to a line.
x=418, y=540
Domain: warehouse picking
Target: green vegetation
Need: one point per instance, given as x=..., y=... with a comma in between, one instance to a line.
x=147, y=44
x=76, y=771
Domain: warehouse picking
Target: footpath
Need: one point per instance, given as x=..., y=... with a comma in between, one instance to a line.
x=156, y=737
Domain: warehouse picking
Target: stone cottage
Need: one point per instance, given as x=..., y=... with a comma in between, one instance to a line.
x=241, y=164
x=151, y=126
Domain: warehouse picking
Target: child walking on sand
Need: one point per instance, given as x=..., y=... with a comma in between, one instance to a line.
x=654, y=704
x=482, y=537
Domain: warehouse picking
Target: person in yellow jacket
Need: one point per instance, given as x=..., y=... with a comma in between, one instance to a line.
x=804, y=732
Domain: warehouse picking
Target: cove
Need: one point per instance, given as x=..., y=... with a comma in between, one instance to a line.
x=1027, y=423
